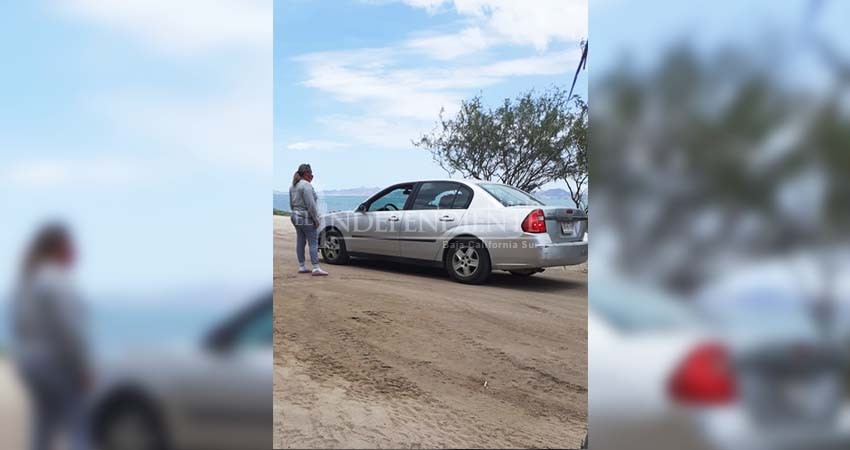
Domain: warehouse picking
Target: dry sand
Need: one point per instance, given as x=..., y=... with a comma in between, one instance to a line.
x=382, y=355
x=13, y=409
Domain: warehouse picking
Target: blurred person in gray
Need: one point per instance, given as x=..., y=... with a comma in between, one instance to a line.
x=48, y=341
x=305, y=217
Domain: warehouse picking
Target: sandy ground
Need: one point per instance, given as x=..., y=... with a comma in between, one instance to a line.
x=382, y=355
x=13, y=409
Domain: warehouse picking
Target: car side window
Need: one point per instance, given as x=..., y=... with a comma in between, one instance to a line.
x=438, y=195
x=258, y=330
x=393, y=200
x=463, y=198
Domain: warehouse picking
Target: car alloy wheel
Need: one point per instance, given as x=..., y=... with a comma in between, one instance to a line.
x=465, y=261
x=333, y=248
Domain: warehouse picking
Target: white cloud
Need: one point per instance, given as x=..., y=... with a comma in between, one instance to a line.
x=429, y=5
x=358, y=76
x=401, y=88
x=382, y=80
x=184, y=26
x=538, y=23
x=375, y=131
x=230, y=130
x=451, y=46
x=74, y=173
x=228, y=124
x=553, y=63
x=317, y=145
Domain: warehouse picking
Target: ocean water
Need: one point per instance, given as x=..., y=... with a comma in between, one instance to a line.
x=327, y=203
x=115, y=326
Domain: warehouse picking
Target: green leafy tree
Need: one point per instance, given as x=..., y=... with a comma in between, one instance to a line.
x=574, y=163
x=706, y=160
x=526, y=142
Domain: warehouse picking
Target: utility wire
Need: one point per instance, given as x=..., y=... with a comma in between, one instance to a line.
x=582, y=64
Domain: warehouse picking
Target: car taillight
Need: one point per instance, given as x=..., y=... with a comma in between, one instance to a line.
x=704, y=378
x=534, y=222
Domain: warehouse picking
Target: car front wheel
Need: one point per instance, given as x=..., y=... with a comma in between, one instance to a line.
x=130, y=425
x=334, y=250
x=468, y=261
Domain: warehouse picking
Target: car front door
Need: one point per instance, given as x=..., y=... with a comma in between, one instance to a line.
x=437, y=207
x=226, y=395
x=376, y=228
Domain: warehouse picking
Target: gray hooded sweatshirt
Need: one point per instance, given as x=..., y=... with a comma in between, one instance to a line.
x=302, y=203
x=49, y=326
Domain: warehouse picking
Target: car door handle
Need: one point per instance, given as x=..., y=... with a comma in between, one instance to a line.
x=393, y=219
x=447, y=219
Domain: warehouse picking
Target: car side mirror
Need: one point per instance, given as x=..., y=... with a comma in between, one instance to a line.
x=361, y=208
x=219, y=341
x=215, y=346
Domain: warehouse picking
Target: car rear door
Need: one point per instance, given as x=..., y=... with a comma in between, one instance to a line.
x=437, y=207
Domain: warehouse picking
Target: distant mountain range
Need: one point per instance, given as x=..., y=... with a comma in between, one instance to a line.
x=358, y=191
x=348, y=192
x=557, y=193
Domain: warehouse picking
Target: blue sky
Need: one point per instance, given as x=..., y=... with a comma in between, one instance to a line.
x=356, y=80
x=147, y=126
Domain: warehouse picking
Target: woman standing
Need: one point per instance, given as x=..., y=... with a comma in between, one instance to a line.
x=305, y=217
x=49, y=345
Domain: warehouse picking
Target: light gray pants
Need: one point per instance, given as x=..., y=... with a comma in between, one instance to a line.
x=58, y=408
x=307, y=235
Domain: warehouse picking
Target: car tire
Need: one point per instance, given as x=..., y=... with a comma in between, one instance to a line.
x=524, y=272
x=467, y=261
x=130, y=424
x=334, y=250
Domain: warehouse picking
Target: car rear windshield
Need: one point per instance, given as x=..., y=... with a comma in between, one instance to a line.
x=632, y=308
x=510, y=196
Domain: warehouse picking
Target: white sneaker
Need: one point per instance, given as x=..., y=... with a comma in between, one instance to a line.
x=303, y=269
x=317, y=272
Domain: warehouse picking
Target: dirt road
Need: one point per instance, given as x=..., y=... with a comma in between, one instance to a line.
x=381, y=355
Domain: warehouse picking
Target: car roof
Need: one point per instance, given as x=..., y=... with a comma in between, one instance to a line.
x=449, y=180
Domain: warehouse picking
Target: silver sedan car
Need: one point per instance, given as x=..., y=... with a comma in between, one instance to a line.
x=215, y=395
x=468, y=227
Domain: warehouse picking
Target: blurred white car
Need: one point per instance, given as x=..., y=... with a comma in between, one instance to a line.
x=216, y=395
x=661, y=377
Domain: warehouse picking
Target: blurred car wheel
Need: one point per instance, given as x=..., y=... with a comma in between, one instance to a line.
x=130, y=425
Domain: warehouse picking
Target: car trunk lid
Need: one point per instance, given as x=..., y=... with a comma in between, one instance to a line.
x=565, y=224
x=790, y=382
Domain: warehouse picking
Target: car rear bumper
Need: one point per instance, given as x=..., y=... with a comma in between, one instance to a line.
x=536, y=253
x=723, y=429
x=732, y=429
